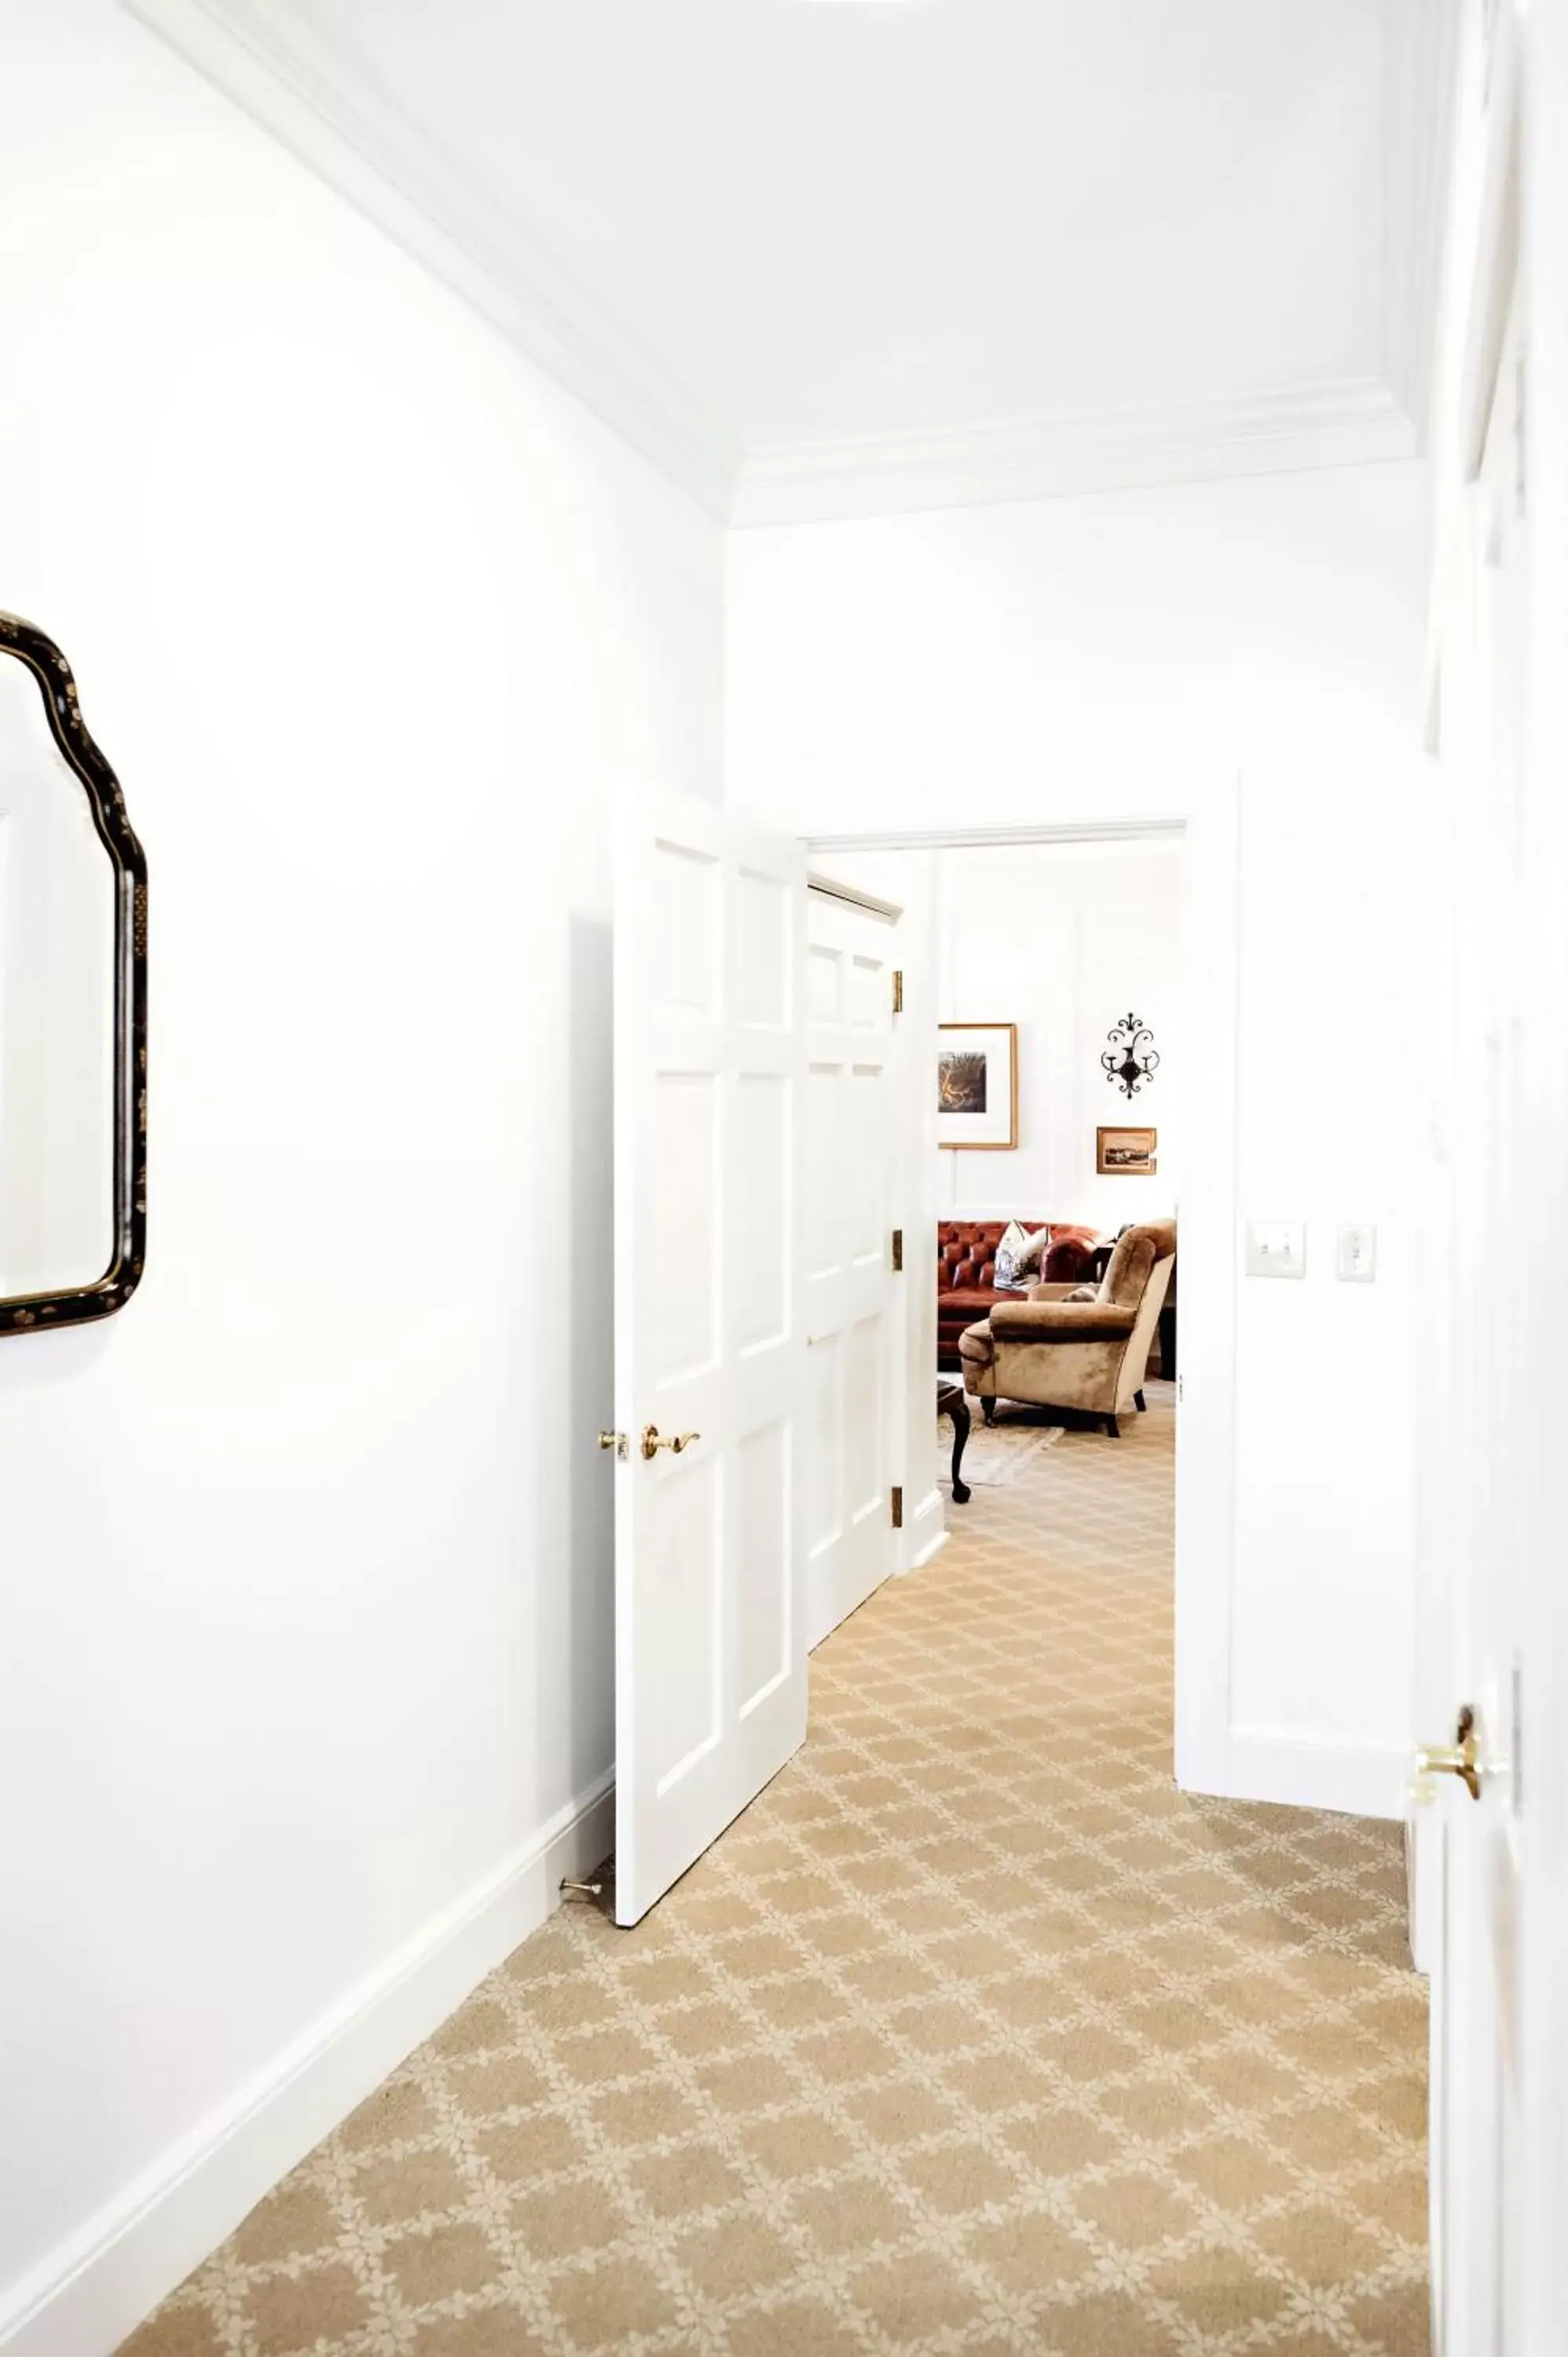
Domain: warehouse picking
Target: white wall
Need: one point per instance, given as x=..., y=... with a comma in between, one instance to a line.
x=304, y=1592
x=1064, y=940
x=1126, y=656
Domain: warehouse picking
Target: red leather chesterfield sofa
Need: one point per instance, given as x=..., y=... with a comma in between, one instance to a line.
x=966, y=1274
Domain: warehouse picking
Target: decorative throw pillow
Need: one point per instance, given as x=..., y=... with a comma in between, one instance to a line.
x=1004, y=1259
x=1017, y=1255
x=1030, y=1262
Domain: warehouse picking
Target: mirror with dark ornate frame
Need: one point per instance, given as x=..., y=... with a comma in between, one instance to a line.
x=73, y=1006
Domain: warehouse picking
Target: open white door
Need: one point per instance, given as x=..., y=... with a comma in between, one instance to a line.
x=1494, y=1838
x=710, y=1348
x=1476, y=2020
x=851, y=1134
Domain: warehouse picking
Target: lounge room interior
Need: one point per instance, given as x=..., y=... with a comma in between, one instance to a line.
x=781, y=983
x=1081, y=943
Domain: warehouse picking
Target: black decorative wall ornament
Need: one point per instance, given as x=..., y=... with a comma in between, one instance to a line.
x=1131, y=1059
x=56, y=1304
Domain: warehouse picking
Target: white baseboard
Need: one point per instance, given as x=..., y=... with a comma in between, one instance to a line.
x=925, y=1532
x=93, y=2290
x=1359, y=1780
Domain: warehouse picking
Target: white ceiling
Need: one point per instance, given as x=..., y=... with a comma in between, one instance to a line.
x=831, y=239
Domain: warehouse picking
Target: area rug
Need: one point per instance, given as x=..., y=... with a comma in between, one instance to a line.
x=996, y=1455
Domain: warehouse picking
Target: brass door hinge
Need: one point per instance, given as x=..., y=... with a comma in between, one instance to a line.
x=897, y=1509
x=899, y=1252
x=898, y=990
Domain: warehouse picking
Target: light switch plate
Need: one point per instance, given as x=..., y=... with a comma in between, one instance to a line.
x=1276, y=1248
x=1358, y=1262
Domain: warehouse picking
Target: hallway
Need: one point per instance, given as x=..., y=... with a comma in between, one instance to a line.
x=971, y=2036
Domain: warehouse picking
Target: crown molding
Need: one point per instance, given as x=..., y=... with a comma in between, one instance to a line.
x=1007, y=838
x=1345, y=424
x=1420, y=91
x=321, y=104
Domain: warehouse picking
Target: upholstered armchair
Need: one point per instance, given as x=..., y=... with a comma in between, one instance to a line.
x=1067, y=1347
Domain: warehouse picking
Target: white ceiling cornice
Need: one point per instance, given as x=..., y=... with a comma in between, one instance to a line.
x=321, y=104
x=1278, y=432
x=311, y=98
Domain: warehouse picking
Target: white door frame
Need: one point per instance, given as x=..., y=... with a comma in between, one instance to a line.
x=1211, y=1754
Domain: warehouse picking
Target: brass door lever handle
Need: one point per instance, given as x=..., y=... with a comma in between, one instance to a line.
x=653, y=1440
x=1457, y=1759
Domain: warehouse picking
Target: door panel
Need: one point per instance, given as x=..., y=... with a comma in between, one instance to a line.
x=760, y=1209
x=825, y=1443
x=864, y=1422
x=681, y=1535
x=710, y=1541
x=685, y=1234
x=762, y=1531
x=864, y=1178
x=822, y=1239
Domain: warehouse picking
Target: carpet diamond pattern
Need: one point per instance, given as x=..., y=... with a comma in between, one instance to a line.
x=973, y=2036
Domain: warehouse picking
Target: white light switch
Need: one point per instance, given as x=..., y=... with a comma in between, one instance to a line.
x=1276, y=1248
x=1358, y=1254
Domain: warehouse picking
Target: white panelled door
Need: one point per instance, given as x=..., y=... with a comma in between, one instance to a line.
x=710, y=1349
x=1495, y=1624
x=845, y=1247
x=1477, y=1467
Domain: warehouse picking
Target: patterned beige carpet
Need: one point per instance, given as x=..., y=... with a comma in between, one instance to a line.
x=971, y=2037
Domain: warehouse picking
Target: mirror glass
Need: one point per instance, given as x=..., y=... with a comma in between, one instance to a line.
x=59, y=893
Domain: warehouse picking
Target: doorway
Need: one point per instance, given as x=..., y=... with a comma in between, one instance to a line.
x=940, y=882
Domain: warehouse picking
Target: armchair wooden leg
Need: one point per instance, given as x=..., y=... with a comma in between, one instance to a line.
x=1112, y=1427
x=988, y=1407
x=1139, y=1403
x=961, y=1489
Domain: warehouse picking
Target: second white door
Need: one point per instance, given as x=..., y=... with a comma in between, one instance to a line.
x=846, y=1247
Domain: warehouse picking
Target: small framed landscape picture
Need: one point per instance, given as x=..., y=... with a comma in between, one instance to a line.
x=977, y=1085
x=1126, y=1152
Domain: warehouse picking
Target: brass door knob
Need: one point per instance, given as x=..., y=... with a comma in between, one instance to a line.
x=653, y=1440
x=1457, y=1759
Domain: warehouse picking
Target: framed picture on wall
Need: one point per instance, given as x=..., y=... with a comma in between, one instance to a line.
x=1125, y=1153
x=977, y=1086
